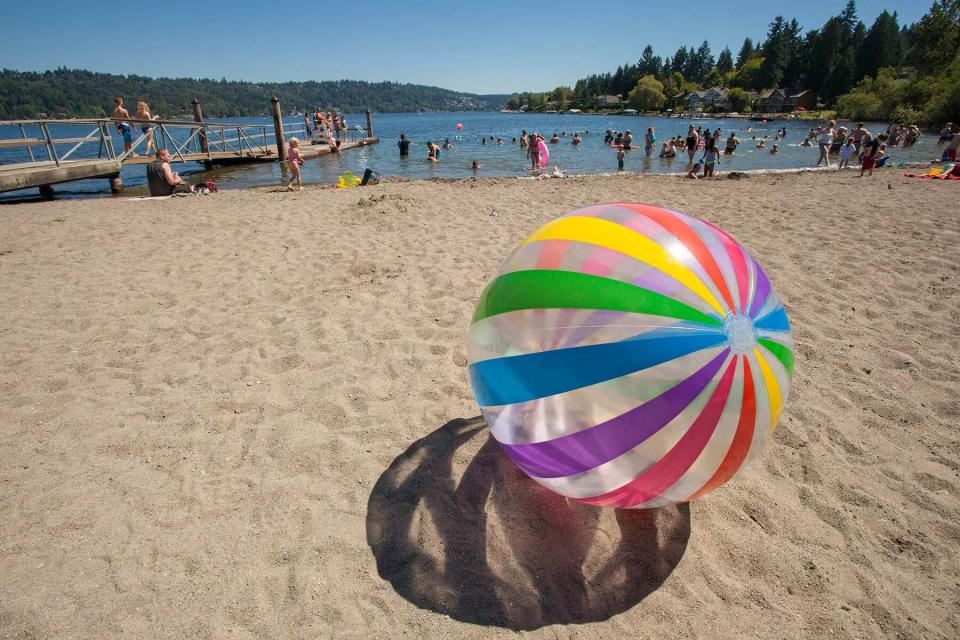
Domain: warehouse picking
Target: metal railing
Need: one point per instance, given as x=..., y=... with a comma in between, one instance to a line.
x=186, y=141
x=349, y=135
x=99, y=135
x=198, y=139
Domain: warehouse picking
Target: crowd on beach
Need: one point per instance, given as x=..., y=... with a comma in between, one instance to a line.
x=838, y=146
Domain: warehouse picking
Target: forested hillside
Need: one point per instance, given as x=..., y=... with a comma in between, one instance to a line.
x=78, y=93
x=886, y=71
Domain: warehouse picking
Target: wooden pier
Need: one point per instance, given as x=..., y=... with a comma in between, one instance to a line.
x=209, y=143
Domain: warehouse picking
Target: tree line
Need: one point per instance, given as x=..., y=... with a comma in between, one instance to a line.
x=78, y=93
x=884, y=71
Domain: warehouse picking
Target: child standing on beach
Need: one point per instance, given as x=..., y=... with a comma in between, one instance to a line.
x=846, y=152
x=295, y=160
x=710, y=157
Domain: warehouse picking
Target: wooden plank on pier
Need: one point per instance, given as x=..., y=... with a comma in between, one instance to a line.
x=315, y=150
x=213, y=156
x=34, y=174
x=21, y=142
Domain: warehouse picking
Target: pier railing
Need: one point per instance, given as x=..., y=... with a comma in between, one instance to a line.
x=187, y=141
x=198, y=141
x=351, y=134
x=102, y=150
x=41, y=136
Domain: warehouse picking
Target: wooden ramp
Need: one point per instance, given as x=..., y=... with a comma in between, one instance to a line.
x=37, y=174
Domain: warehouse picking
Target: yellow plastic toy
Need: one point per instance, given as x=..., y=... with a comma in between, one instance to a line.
x=347, y=180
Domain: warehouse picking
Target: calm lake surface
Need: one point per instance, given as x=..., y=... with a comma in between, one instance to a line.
x=508, y=159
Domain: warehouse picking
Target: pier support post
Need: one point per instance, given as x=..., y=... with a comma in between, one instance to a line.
x=369, y=124
x=46, y=191
x=198, y=117
x=278, y=129
x=116, y=184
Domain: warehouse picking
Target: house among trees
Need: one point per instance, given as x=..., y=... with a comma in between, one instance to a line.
x=608, y=101
x=713, y=99
x=783, y=101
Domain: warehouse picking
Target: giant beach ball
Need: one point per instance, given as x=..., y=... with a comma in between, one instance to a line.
x=630, y=356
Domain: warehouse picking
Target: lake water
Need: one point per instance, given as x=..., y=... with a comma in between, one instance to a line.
x=508, y=159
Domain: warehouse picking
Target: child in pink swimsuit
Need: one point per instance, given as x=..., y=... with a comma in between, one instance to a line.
x=295, y=160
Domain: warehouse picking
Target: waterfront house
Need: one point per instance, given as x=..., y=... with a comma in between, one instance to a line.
x=606, y=102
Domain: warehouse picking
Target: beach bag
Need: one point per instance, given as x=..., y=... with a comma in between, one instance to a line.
x=210, y=186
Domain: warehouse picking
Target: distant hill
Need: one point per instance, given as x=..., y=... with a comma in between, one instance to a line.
x=79, y=93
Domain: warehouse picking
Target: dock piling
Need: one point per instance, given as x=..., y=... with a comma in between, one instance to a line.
x=278, y=129
x=116, y=184
x=369, y=124
x=46, y=191
x=198, y=117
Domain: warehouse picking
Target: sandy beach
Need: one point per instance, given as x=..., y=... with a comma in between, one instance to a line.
x=247, y=415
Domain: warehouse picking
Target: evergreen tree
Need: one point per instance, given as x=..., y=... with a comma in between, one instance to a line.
x=848, y=17
x=775, y=54
x=824, y=54
x=746, y=52
x=666, y=70
x=649, y=64
x=793, y=76
x=725, y=61
x=936, y=36
x=704, y=60
x=679, y=62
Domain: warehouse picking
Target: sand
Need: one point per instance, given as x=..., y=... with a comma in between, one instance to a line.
x=247, y=415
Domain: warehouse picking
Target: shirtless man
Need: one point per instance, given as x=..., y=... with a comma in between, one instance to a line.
x=858, y=135
x=123, y=128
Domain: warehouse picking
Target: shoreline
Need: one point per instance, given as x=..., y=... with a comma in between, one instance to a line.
x=140, y=192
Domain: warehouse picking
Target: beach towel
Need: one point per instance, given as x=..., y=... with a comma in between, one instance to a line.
x=949, y=172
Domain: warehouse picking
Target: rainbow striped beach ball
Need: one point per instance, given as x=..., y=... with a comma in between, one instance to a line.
x=630, y=356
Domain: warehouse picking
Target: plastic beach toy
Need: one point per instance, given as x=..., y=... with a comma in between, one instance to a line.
x=459, y=126
x=347, y=180
x=630, y=356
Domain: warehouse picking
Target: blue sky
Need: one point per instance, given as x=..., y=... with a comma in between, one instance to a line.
x=484, y=46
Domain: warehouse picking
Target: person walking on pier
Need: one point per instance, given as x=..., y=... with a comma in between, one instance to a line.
x=123, y=127
x=161, y=178
x=143, y=113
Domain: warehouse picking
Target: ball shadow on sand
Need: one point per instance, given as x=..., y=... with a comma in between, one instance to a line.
x=463, y=532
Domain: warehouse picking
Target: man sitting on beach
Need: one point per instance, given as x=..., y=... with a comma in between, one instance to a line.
x=161, y=178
